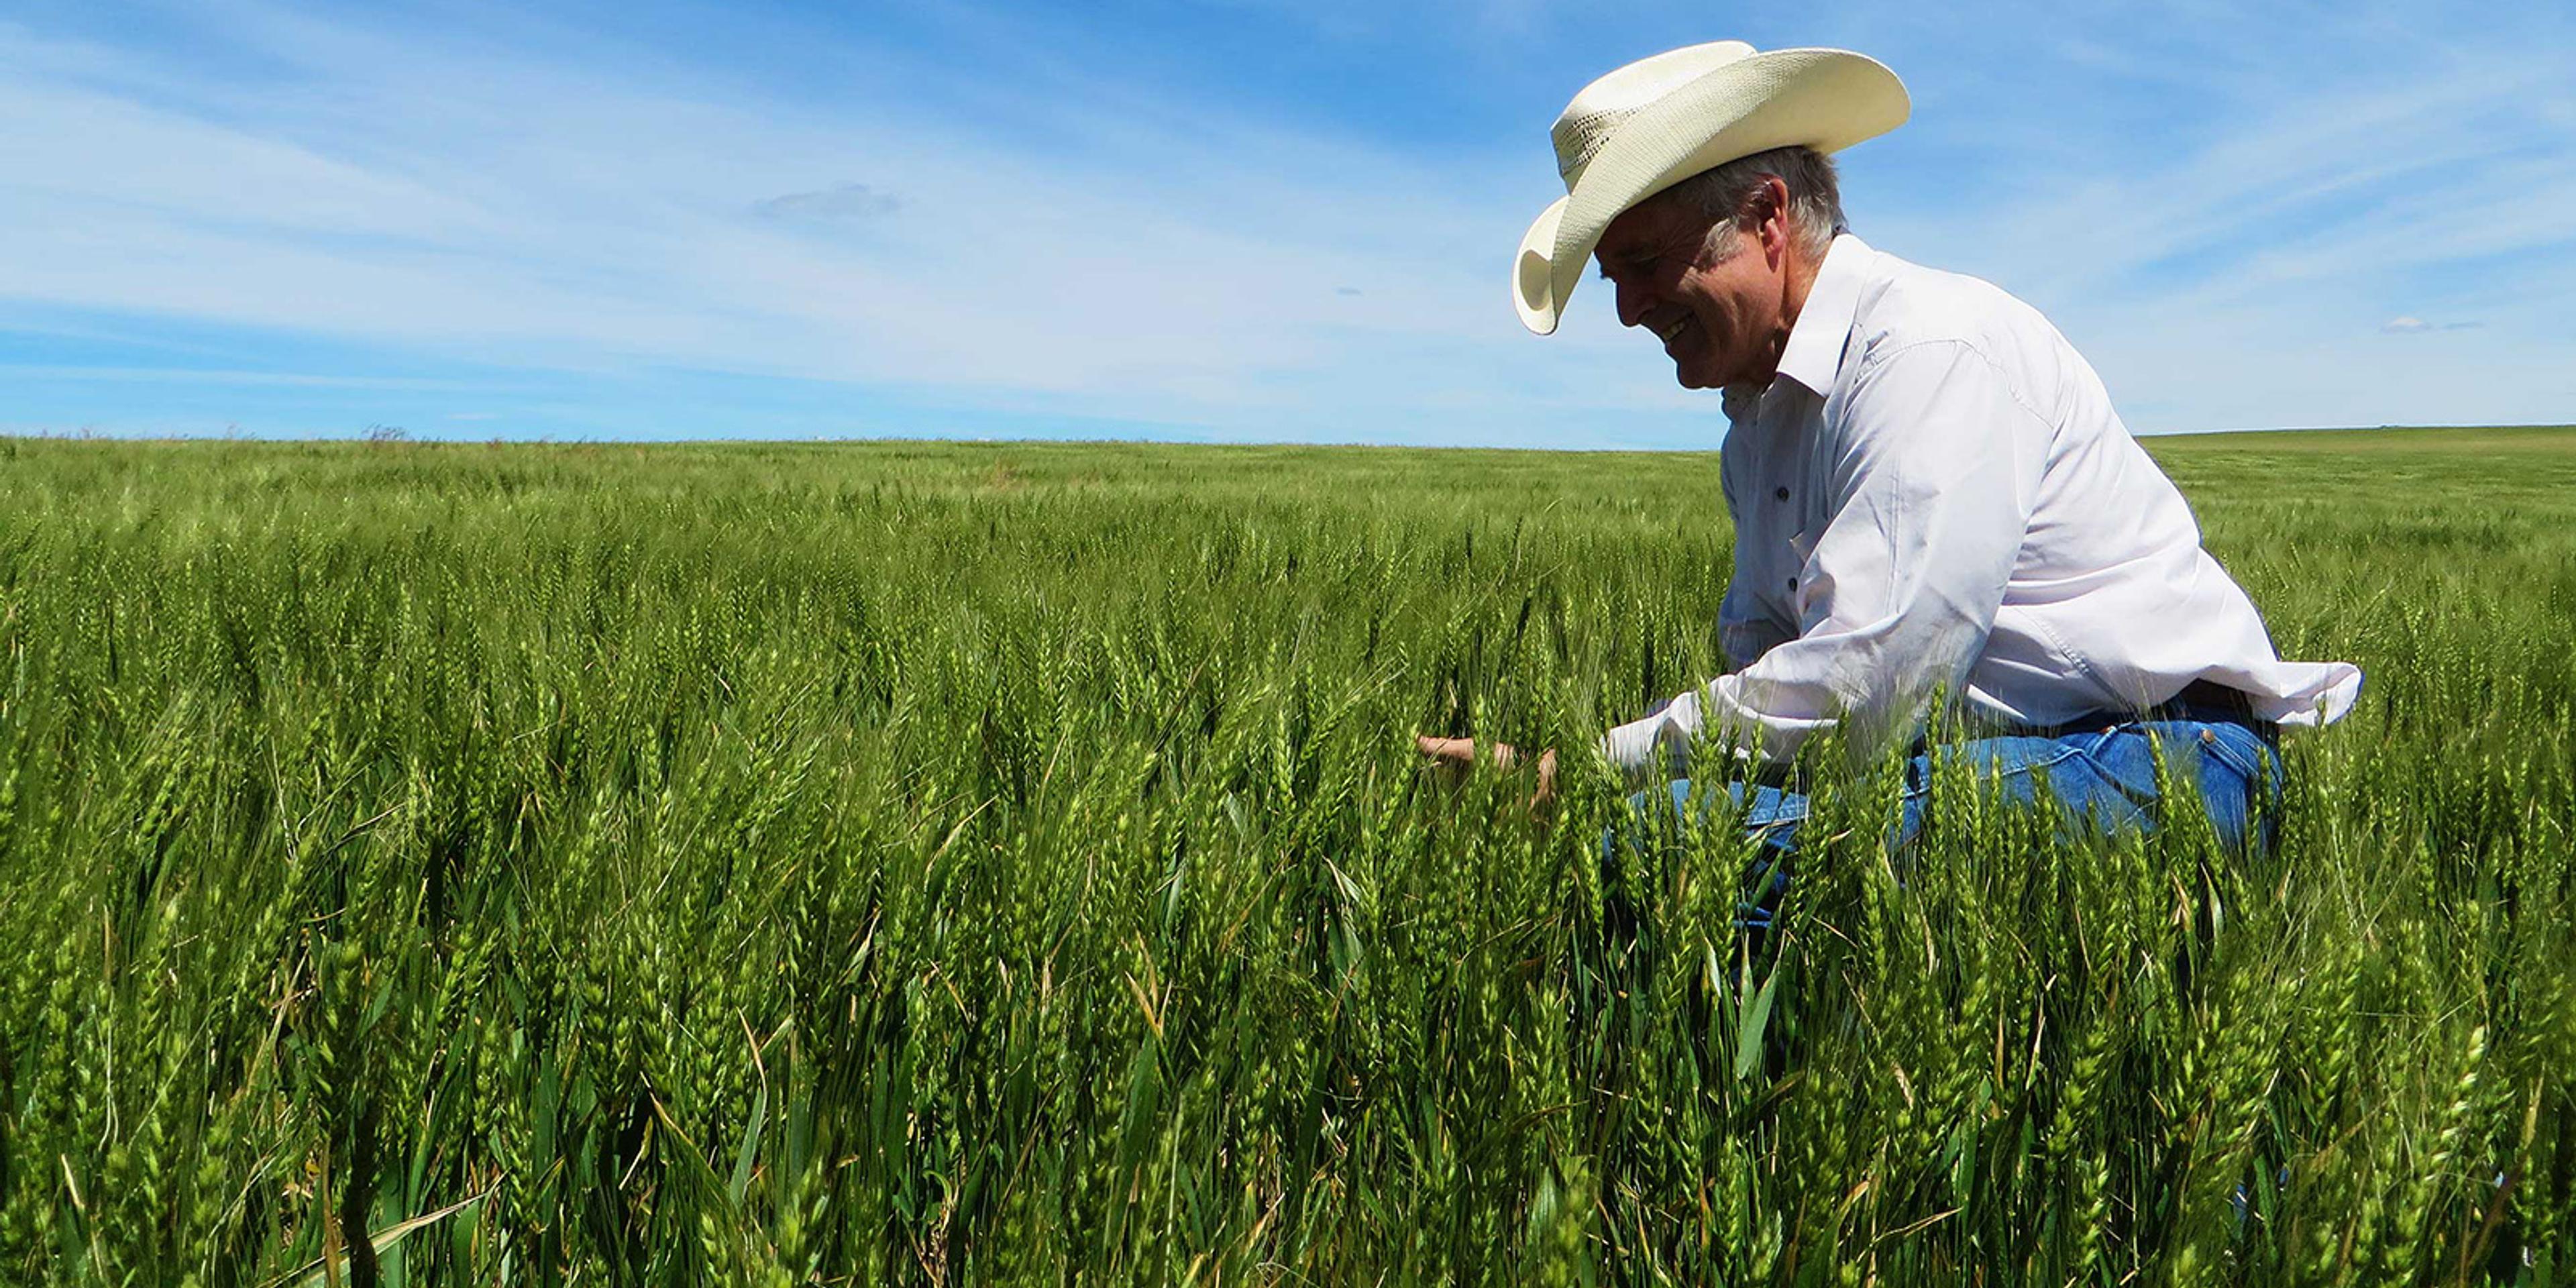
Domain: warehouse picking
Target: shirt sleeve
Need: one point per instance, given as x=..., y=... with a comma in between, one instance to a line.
x=1931, y=495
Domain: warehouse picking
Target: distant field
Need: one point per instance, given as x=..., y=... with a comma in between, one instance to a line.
x=952, y=863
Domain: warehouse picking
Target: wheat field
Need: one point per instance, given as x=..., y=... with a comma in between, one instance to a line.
x=965, y=863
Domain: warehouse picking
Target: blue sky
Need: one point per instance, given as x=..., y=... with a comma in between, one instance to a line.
x=1228, y=220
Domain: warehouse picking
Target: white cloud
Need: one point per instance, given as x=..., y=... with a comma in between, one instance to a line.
x=29, y=371
x=2403, y=324
x=846, y=203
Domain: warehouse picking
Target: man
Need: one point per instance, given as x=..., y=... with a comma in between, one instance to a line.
x=1931, y=492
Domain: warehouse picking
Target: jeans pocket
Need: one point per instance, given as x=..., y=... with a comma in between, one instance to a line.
x=2239, y=749
x=2111, y=781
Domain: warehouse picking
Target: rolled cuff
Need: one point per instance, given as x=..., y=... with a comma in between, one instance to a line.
x=1657, y=744
x=1634, y=748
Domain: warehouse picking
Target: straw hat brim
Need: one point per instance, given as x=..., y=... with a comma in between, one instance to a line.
x=1827, y=99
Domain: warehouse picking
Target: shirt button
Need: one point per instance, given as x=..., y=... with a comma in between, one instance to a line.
x=1782, y=493
x=1793, y=583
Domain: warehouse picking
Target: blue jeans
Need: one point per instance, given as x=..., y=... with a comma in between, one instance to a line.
x=2103, y=780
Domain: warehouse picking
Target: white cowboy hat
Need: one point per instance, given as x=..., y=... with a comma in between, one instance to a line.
x=1655, y=122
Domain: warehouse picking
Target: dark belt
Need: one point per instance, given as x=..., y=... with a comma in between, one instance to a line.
x=2200, y=701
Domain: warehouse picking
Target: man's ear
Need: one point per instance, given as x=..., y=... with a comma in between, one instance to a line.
x=1770, y=210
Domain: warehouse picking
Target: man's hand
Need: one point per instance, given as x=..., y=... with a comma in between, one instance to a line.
x=1459, y=754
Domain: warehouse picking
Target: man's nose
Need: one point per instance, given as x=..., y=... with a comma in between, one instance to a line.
x=1634, y=300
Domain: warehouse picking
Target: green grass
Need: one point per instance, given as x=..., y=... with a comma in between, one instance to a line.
x=947, y=863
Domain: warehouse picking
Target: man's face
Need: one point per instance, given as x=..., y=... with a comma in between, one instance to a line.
x=1719, y=318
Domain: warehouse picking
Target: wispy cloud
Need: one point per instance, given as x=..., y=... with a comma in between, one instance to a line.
x=30, y=372
x=848, y=203
x=2408, y=324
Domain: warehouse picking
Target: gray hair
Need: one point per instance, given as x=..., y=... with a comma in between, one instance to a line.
x=1815, y=197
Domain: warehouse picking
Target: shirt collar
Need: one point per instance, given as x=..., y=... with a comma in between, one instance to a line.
x=1814, y=353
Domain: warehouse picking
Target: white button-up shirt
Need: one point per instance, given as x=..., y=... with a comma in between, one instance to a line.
x=1935, y=493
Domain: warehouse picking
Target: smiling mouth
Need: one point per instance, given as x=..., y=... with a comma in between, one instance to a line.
x=1672, y=330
